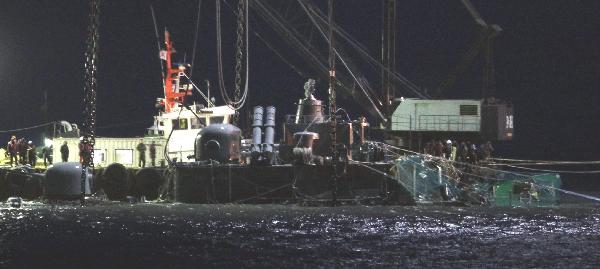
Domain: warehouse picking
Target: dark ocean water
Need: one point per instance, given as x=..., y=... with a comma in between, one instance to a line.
x=120, y=235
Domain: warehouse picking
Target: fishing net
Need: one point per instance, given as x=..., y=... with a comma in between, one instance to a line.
x=432, y=179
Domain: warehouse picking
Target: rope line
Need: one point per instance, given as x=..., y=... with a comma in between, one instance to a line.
x=28, y=128
x=589, y=197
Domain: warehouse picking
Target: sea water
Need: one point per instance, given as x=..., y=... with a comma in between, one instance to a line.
x=161, y=235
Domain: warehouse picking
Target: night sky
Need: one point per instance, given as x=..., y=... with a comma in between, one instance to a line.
x=547, y=62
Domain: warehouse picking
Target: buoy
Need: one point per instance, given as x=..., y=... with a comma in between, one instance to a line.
x=23, y=184
x=148, y=182
x=114, y=181
x=63, y=181
x=15, y=201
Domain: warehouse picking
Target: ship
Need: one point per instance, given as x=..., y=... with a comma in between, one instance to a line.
x=321, y=158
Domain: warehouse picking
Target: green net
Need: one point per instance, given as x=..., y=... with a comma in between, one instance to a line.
x=430, y=179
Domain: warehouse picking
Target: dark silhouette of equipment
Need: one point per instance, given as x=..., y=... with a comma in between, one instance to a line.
x=483, y=43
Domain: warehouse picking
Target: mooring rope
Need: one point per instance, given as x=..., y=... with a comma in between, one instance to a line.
x=589, y=197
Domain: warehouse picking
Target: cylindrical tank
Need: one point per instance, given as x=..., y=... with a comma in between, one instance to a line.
x=269, y=130
x=305, y=139
x=63, y=181
x=303, y=147
x=218, y=142
x=257, y=123
x=309, y=111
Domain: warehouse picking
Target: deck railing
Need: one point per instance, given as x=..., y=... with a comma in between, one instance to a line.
x=441, y=123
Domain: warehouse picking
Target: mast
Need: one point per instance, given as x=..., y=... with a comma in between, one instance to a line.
x=173, y=96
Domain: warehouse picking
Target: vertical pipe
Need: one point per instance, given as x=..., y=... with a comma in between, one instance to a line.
x=257, y=123
x=414, y=178
x=269, y=131
x=332, y=101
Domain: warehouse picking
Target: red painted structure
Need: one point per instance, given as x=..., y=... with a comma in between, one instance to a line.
x=174, y=94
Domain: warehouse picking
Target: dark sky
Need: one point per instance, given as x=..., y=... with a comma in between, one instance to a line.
x=547, y=62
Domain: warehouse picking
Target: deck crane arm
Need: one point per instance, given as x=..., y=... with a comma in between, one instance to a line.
x=483, y=42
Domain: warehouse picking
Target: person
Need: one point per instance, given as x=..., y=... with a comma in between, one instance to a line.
x=448, y=150
x=81, y=148
x=64, y=152
x=428, y=149
x=153, y=153
x=487, y=150
x=141, y=148
x=31, y=154
x=47, y=153
x=22, y=150
x=453, y=151
x=12, y=149
x=438, y=149
x=473, y=154
x=85, y=152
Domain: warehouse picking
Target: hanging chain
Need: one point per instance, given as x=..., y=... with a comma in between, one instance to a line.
x=239, y=53
x=89, y=88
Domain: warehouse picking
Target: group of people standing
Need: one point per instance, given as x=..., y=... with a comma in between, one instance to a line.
x=466, y=152
x=141, y=148
x=21, y=151
x=85, y=151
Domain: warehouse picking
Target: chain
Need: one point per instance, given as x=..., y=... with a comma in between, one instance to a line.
x=89, y=88
x=242, y=31
x=239, y=48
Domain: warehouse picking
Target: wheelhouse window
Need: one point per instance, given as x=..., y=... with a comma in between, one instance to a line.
x=198, y=123
x=180, y=124
x=216, y=120
x=468, y=110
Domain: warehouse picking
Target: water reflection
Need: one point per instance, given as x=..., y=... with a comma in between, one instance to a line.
x=183, y=235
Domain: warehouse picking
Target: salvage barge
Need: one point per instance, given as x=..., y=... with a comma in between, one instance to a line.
x=320, y=159
x=225, y=168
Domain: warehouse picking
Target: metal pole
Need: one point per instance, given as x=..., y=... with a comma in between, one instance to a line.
x=414, y=177
x=332, y=103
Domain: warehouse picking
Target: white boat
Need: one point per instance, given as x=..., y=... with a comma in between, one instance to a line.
x=175, y=127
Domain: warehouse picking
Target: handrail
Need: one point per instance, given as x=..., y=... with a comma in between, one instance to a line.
x=446, y=123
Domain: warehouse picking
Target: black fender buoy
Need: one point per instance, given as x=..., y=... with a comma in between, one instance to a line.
x=114, y=181
x=20, y=183
x=148, y=182
x=4, y=191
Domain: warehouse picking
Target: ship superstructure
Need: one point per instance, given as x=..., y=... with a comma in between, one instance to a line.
x=180, y=123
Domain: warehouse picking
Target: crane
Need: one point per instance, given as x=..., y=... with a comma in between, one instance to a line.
x=483, y=43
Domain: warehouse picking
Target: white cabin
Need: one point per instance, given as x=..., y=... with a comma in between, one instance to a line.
x=437, y=115
x=108, y=150
x=186, y=123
